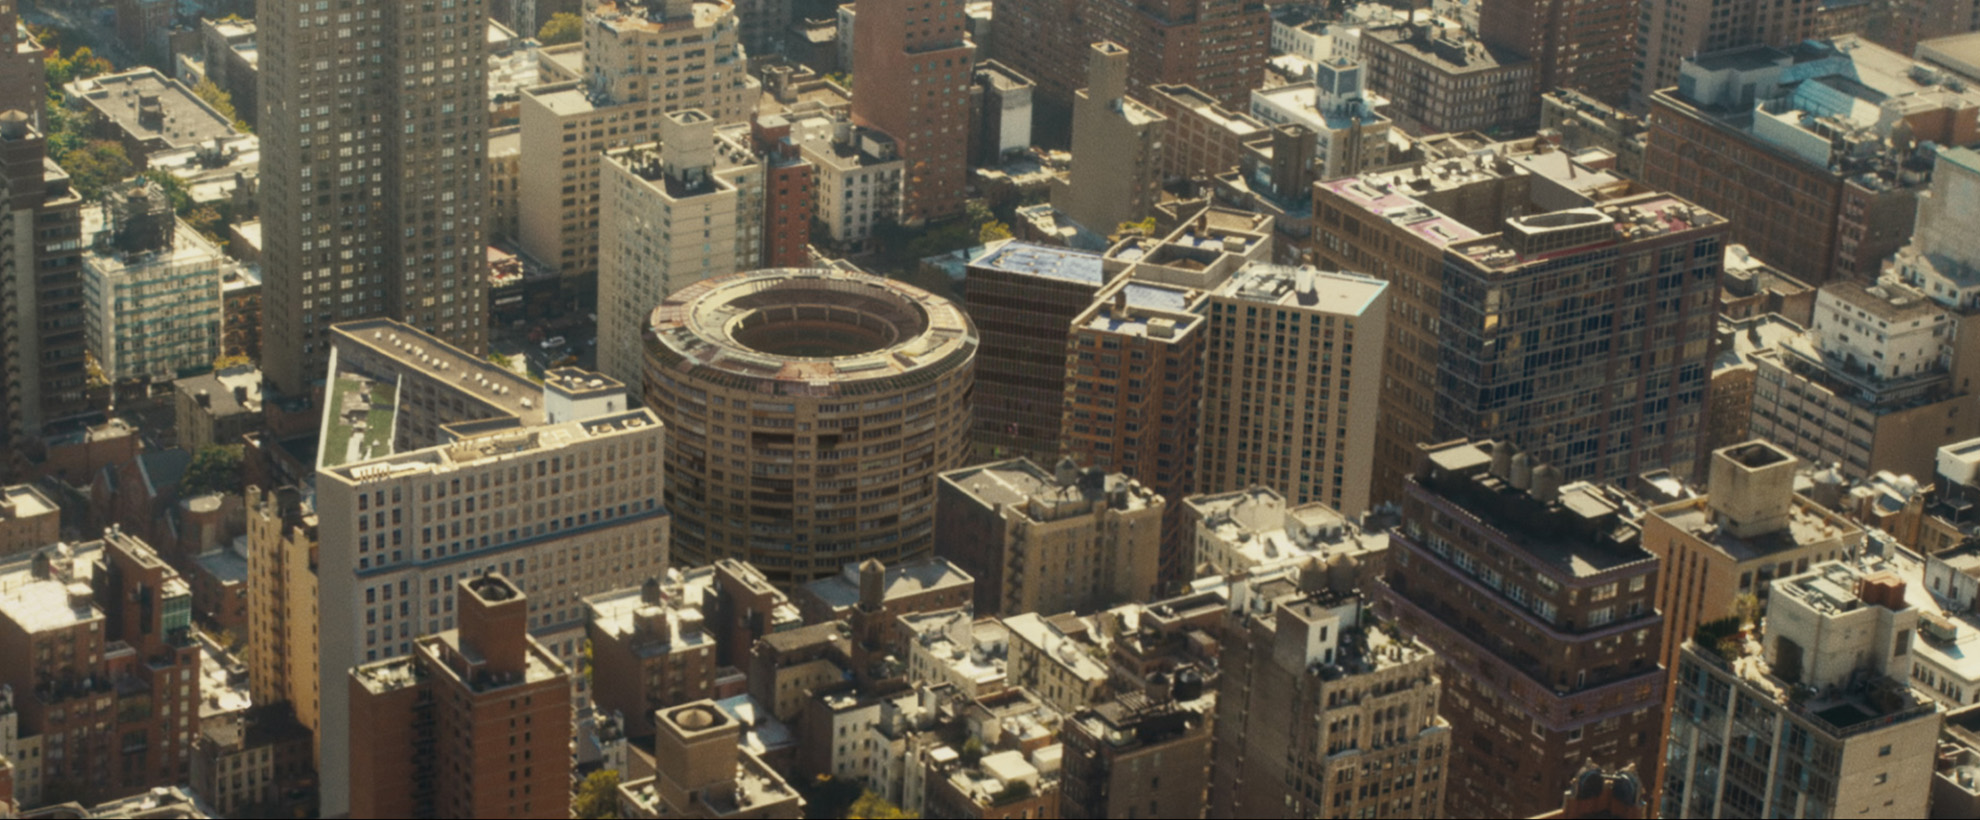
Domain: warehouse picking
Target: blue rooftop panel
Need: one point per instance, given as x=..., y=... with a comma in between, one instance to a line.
x=1044, y=261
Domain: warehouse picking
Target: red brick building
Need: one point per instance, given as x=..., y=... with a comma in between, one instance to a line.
x=915, y=70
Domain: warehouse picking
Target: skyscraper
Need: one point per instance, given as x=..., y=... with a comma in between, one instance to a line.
x=42, y=322
x=1117, y=148
x=915, y=69
x=1540, y=600
x=374, y=125
x=1292, y=369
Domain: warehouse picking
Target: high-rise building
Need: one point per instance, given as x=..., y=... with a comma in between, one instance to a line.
x=858, y=185
x=1758, y=119
x=643, y=254
x=42, y=324
x=1748, y=529
x=1039, y=541
x=372, y=179
x=1218, y=46
x=21, y=71
x=642, y=60
x=1023, y=298
x=1378, y=226
x=436, y=720
x=1134, y=757
x=94, y=634
x=1134, y=391
x=915, y=68
x=152, y=288
x=1004, y=120
x=1322, y=711
x=575, y=469
x=1812, y=714
x=864, y=381
x=1583, y=46
x=1547, y=350
x=1117, y=148
x=1292, y=370
x=1568, y=668
x=282, y=588
x=1878, y=380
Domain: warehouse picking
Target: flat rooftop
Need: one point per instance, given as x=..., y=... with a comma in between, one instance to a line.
x=1446, y=47
x=1045, y=262
x=54, y=602
x=618, y=613
x=901, y=580
x=1884, y=302
x=1382, y=196
x=1335, y=292
x=182, y=118
x=24, y=501
x=1153, y=310
x=1022, y=485
x=1630, y=219
x=491, y=440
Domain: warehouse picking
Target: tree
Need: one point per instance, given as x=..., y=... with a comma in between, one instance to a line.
x=96, y=166
x=225, y=362
x=175, y=189
x=992, y=231
x=1145, y=227
x=563, y=27
x=222, y=102
x=216, y=468
x=598, y=796
x=871, y=806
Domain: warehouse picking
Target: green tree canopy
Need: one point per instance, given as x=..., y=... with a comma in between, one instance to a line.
x=992, y=231
x=95, y=166
x=561, y=28
x=216, y=468
x=221, y=101
x=598, y=796
x=871, y=806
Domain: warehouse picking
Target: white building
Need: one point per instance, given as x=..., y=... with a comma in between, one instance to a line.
x=667, y=220
x=1349, y=136
x=857, y=174
x=152, y=286
x=1252, y=530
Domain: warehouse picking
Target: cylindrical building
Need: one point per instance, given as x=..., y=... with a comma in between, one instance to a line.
x=808, y=413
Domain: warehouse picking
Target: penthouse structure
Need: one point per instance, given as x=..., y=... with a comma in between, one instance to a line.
x=1820, y=691
x=881, y=373
x=1134, y=396
x=1814, y=131
x=643, y=59
x=1315, y=694
x=1038, y=541
x=1604, y=379
x=577, y=475
x=1296, y=355
x=435, y=720
x=103, y=625
x=1023, y=298
x=1489, y=537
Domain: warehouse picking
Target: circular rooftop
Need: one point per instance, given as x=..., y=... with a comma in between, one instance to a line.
x=809, y=325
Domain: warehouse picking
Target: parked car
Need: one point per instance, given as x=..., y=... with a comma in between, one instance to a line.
x=553, y=343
